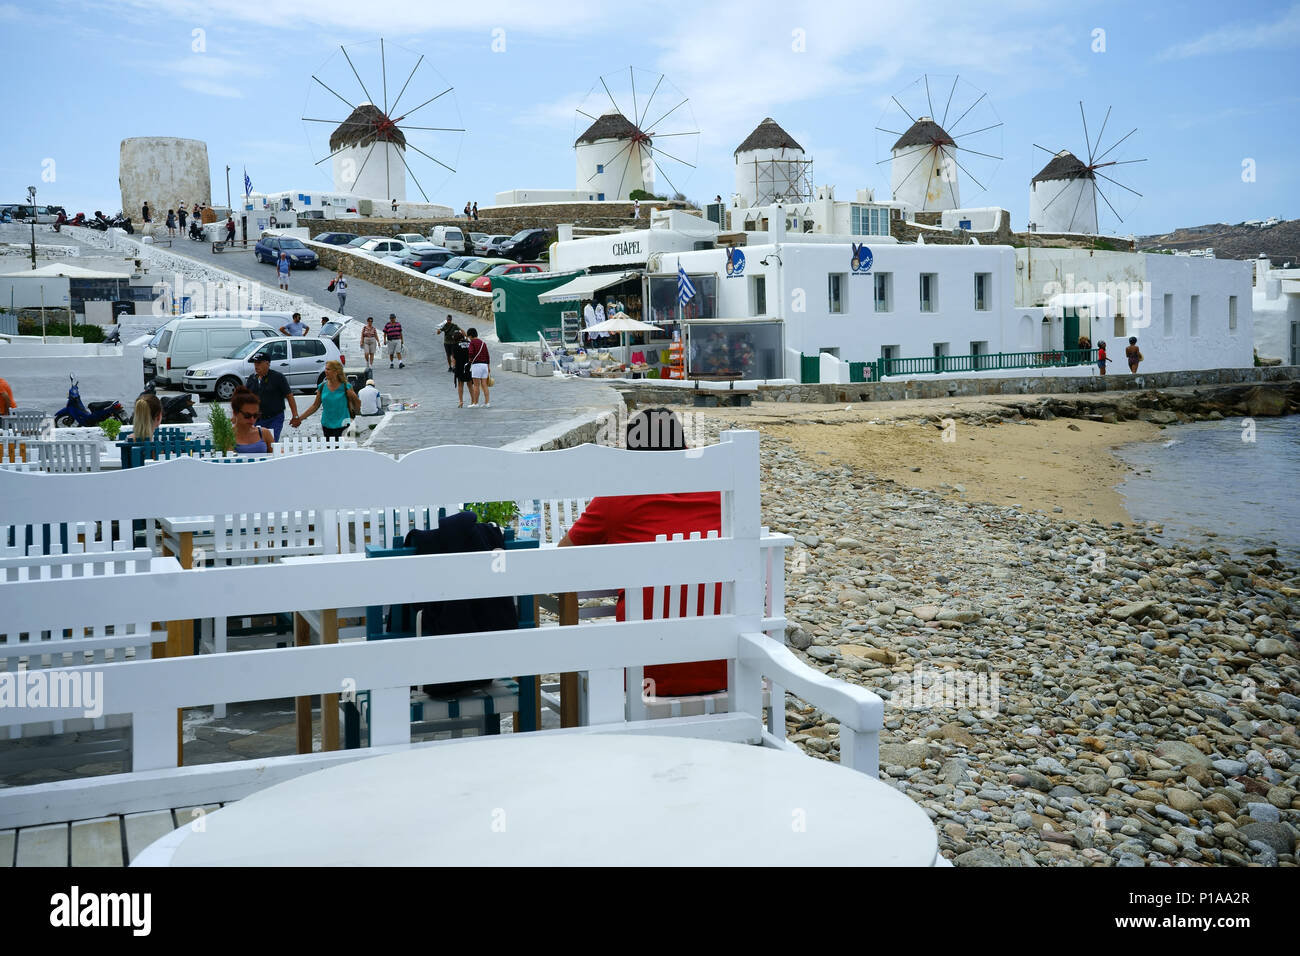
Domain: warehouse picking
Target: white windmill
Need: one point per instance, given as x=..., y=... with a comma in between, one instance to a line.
x=927, y=156
x=1063, y=194
x=619, y=151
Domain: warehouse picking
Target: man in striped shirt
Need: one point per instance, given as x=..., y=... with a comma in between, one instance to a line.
x=393, y=336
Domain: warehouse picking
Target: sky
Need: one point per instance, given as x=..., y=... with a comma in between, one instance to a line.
x=1211, y=89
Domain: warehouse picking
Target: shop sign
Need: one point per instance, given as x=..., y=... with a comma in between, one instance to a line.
x=735, y=263
x=860, y=264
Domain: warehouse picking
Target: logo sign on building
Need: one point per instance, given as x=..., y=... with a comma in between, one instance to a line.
x=735, y=263
x=627, y=248
x=860, y=264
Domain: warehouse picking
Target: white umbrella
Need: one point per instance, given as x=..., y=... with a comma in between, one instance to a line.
x=622, y=323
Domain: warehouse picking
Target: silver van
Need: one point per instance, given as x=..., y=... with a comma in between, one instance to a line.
x=185, y=342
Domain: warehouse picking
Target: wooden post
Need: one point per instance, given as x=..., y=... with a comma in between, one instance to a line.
x=329, y=703
x=180, y=641
x=302, y=705
x=569, y=682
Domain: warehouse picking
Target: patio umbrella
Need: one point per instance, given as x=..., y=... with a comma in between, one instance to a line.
x=622, y=323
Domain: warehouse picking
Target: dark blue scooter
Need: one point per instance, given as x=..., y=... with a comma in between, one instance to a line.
x=76, y=413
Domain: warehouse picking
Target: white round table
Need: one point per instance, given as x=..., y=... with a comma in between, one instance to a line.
x=566, y=800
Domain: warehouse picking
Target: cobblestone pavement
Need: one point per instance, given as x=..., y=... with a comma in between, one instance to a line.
x=521, y=405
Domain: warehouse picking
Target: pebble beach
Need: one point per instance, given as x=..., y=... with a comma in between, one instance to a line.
x=1061, y=687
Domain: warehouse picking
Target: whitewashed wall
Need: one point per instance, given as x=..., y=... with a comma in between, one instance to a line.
x=39, y=374
x=1275, y=310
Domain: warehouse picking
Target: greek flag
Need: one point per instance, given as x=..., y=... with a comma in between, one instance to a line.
x=248, y=183
x=685, y=291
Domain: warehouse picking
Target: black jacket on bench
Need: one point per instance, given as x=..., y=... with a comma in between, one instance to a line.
x=457, y=534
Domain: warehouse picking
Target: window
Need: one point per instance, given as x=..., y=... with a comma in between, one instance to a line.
x=277, y=351
x=600, y=197
x=600, y=167
x=758, y=297
x=884, y=282
x=980, y=351
x=868, y=221
x=1169, y=314
x=1119, y=327
x=835, y=281
x=1232, y=313
x=1194, y=317
x=889, y=351
x=308, y=348
x=983, y=283
x=929, y=289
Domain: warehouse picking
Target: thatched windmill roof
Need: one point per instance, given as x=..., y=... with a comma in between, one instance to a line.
x=924, y=132
x=767, y=135
x=367, y=124
x=1064, y=165
x=609, y=126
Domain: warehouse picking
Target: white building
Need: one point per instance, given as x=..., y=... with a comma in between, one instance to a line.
x=1276, y=307
x=1187, y=313
x=923, y=171
x=1063, y=196
x=613, y=159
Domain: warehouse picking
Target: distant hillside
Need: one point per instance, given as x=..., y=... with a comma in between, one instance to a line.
x=1281, y=242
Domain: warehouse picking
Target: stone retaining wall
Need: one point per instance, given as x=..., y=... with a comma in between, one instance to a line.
x=944, y=388
x=905, y=231
x=445, y=295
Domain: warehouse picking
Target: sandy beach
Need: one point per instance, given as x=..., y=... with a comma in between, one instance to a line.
x=1038, y=465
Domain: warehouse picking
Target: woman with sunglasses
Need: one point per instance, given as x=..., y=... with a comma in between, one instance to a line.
x=249, y=438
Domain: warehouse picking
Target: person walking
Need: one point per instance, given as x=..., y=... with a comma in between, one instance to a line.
x=230, y=230
x=181, y=215
x=1133, y=354
x=336, y=399
x=171, y=223
x=272, y=391
x=393, y=339
x=476, y=212
x=466, y=210
x=394, y=208
x=341, y=290
x=636, y=208
x=295, y=326
x=144, y=212
x=460, y=366
x=369, y=340
x=1101, y=357
x=449, y=330
x=479, y=365
x=250, y=437
x=282, y=267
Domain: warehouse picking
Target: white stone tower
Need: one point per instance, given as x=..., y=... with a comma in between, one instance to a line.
x=614, y=158
x=924, y=169
x=1063, y=196
x=771, y=166
x=368, y=156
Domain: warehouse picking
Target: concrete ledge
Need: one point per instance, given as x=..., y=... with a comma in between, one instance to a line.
x=445, y=295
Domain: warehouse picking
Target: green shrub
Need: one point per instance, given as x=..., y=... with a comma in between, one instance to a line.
x=87, y=333
x=111, y=427
x=223, y=429
x=497, y=512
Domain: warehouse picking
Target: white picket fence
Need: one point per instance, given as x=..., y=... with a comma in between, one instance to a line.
x=748, y=632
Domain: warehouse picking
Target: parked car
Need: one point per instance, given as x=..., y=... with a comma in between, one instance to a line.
x=22, y=212
x=184, y=343
x=378, y=248
x=268, y=249
x=300, y=359
x=525, y=245
x=487, y=246
x=451, y=237
x=472, y=270
x=423, y=259
x=410, y=237
x=336, y=238
x=478, y=236
x=484, y=282
x=450, y=266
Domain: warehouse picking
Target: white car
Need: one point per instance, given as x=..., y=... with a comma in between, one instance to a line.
x=410, y=238
x=487, y=246
x=300, y=359
x=379, y=247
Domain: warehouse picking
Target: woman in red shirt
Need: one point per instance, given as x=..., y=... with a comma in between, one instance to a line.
x=626, y=519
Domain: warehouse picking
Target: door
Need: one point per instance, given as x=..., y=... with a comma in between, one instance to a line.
x=308, y=363
x=1071, y=329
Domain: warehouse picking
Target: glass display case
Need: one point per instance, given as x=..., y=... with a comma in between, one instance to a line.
x=732, y=349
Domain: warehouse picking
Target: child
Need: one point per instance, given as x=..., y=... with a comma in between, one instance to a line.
x=1101, y=357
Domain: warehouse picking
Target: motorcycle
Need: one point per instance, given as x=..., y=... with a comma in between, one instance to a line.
x=196, y=231
x=177, y=409
x=104, y=223
x=76, y=413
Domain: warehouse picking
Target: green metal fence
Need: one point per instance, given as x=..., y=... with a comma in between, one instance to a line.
x=934, y=364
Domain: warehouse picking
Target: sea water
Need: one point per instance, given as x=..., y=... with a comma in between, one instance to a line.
x=1237, y=478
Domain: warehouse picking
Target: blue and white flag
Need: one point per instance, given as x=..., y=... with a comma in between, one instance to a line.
x=248, y=183
x=685, y=290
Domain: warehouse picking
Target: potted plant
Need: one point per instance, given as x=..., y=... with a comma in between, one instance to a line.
x=223, y=429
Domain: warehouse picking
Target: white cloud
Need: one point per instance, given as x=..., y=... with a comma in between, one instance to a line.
x=1285, y=31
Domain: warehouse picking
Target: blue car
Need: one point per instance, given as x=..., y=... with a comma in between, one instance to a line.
x=268, y=249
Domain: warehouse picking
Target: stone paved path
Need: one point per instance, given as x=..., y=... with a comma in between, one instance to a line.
x=520, y=405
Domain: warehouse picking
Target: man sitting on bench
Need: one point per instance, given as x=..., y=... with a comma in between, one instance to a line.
x=624, y=519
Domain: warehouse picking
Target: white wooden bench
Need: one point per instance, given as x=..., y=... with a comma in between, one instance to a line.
x=748, y=634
